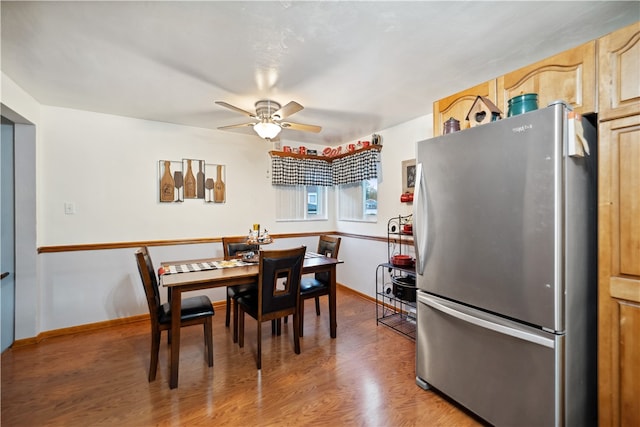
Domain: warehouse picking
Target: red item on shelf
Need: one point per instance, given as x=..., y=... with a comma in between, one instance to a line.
x=406, y=197
x=402, y=261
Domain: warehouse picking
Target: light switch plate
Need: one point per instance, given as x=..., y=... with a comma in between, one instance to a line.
x=69, y=208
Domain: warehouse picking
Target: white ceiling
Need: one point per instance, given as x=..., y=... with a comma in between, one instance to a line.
x=356, y=66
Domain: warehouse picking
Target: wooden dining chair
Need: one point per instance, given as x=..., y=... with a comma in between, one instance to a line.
x=232, y=246
x=319, y=284
x=195, y=311
x=277, y=296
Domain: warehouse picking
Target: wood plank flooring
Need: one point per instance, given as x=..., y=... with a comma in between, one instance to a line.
x=364, y=377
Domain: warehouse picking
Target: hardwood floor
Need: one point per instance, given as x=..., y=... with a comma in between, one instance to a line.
x=364, y=377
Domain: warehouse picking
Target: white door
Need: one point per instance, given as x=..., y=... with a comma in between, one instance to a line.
x=7, y=246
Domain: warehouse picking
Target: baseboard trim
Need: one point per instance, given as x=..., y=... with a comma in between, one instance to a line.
x=80, y=328
x=353, y=291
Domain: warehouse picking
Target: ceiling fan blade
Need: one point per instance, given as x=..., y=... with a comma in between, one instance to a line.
x=241, y=125
x=300, y=126
x=236, y=109
x=289, y=109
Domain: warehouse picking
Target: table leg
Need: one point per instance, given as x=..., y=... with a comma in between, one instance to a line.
x=332, y=301
x=176, y=307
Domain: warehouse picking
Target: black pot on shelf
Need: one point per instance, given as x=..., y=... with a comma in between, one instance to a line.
x=404, y=288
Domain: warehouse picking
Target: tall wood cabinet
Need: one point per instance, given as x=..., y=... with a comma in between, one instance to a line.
x=619, y=229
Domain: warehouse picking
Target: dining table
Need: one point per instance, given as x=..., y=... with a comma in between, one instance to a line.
x=196, y=274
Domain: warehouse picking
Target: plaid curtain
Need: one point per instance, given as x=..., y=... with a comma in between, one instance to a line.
x=344, y=170
x=294, y=171
x=355, y=168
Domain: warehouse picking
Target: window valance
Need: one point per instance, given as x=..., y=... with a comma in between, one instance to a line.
x=296, y=169
x=357, y=167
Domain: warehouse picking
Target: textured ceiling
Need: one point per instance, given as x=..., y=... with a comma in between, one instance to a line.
x=356, y=67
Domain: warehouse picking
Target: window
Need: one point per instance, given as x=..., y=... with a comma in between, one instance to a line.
x=301, y=203
x=358, y=201
x=312, y=203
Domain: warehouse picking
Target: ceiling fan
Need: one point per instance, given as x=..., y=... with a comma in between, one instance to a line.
x=269, y=118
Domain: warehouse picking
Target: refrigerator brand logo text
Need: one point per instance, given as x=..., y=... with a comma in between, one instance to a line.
x=522, y=128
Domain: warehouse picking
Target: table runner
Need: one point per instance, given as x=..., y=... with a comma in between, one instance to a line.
x=212, y=265
x=200, y=266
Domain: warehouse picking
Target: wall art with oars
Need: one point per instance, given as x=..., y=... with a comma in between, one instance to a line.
x=191, y=179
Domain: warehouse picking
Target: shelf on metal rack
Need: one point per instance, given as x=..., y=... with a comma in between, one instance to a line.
x=401, y=323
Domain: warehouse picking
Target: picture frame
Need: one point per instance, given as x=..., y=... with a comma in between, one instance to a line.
x=170, y=181
x=215, y=187
x=193, y=179
x=408, y=175
x=181, y=180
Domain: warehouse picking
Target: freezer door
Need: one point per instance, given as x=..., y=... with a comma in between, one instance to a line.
x=489, y=217
x=504, y=372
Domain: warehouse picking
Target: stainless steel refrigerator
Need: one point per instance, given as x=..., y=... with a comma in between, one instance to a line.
x=505, y=241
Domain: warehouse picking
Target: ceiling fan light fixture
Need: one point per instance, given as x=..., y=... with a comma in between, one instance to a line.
x=266, y=129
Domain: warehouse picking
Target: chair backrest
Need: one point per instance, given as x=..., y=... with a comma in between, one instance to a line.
x=328, y=246
x=279, y=280
x=232, y=245
x=149, y=282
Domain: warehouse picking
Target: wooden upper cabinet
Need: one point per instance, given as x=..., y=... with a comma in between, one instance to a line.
x=619, y=75
x=459, y=104
x=569, y=76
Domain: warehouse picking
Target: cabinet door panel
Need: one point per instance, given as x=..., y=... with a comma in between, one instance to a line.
x=629, y=141
x=459, y=104
x=569, y=76
x=629, y=350
x=619, y=79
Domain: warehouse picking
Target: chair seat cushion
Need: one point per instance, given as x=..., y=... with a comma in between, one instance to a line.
x=310, y=285
x=192, y=308
x=249, y=301
x=237, y=290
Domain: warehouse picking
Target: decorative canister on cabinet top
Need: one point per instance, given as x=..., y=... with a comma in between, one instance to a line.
x=451, y=125
x=522, y=103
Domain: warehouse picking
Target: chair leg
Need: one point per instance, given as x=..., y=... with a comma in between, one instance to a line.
x=301, y=318
x=240, y=327
x=155, y=349
x=208, y=340
x=235, y=320
x=227, y=315
x=259, y=360
x=317, y=306
x=296, y=333
x=276, y=327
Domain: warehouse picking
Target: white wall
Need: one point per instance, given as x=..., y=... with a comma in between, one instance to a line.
x=108, y=167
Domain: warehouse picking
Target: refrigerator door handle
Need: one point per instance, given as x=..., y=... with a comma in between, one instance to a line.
x=486, y=324
x=420, y=220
